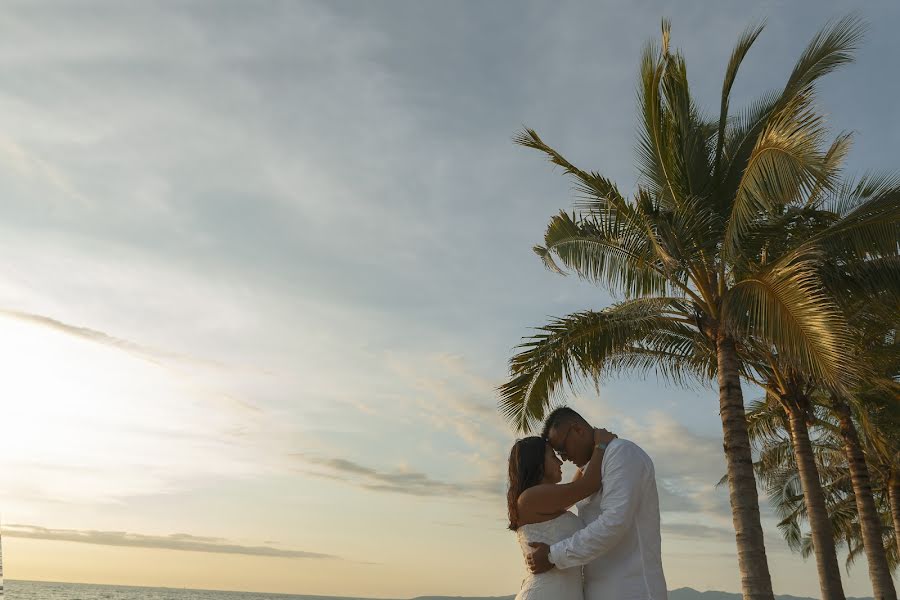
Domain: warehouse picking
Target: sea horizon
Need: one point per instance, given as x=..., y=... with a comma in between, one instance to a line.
x=26, y=589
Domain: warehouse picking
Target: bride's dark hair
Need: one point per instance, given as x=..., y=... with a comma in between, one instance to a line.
x=526, y=469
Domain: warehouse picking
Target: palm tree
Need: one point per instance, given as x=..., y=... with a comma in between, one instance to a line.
x=864, y=488
x=778, y=471
x=889, y=453
x=791, y=394
x=865, y=279
x=856, y=227
x=877, y=411
x=676, y=253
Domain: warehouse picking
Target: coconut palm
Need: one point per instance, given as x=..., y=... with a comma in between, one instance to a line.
x=777, y=470
x=856, y=227
x=791, y=395
x=693, y=297
x=871, y=462
x=866, y=282
x=886, y=450
x=826, y=482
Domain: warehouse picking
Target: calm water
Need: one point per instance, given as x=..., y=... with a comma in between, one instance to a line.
x=34, y=590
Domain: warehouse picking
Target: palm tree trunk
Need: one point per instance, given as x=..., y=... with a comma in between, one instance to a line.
x=894, y=498
x=870, y=524
x=756, y=583
x=817, y=513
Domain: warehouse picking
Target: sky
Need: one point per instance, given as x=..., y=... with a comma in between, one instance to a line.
x=264, y=264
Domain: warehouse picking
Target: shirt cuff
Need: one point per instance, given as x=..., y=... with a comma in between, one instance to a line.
x=558, y=555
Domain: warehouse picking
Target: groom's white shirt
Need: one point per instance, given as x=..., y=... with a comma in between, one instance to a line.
x=620, y=545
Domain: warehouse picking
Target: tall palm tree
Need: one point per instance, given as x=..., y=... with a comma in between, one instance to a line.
x=865, y=483
x=777, y=470
x=856, y=226
x=865, y=279
x=890, y=455
x=878, y=410
x=792, y=394
x=676, y=253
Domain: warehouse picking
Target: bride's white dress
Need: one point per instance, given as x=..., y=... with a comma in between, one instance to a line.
x=555, y=584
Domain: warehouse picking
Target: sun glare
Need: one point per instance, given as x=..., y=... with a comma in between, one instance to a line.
x=88, y=422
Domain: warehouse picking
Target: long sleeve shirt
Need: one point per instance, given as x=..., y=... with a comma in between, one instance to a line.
x=620, y=547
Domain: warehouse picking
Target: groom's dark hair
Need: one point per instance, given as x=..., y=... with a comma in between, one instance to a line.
x=562, y=416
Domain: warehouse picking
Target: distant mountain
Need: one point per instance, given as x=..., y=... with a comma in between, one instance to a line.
x=463, y=598
x=692, y=594
x=679, y=594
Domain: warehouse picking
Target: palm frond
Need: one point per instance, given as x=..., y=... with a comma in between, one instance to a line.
x=601, y=189
x=833, y=161
x=574, y=348
x=690, y=232
x=745, y=41
x=786, y=162
x=690, y=133
x=831, y=48
x=655, y=144
x=766, y=422
x=785, y=306
x=610, y=251
x=869, y=223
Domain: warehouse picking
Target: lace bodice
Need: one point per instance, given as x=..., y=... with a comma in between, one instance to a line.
x=561, y=584
x=549, y=532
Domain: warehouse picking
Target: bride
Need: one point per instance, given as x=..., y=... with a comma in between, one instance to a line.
x=539, y=509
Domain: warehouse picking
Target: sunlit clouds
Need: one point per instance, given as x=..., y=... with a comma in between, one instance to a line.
x=94, y=423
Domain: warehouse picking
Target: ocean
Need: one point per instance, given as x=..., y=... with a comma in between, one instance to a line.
x=39, y=590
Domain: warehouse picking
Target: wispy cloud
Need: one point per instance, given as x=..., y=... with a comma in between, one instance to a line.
x=673, y=501
x=688, y=464
x=450, y=395
x=407, y=482
x=175, y=541
x=698, y=531
x=100, y=337
x=95, y=424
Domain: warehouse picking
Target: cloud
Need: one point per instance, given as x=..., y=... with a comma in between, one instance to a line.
x=33, y=168
x=99, y=337
x=688, y=465
x=675, y=449
x=450, y=395
x=694, y=531
x=175, y=541
x=672, y=501
x=407, y=482
x=96, y=425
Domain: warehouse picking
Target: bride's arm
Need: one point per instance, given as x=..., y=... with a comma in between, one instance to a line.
x=579, y=473
x=550, y=499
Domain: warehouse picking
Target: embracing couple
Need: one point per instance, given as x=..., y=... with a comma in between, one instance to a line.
x=611, y=549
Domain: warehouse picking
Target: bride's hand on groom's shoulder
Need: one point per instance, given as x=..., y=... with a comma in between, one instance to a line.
x=603, y=436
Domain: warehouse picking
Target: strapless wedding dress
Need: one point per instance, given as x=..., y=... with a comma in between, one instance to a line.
x=555, y=584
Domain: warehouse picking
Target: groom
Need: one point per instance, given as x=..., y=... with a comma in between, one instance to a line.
x=620, y=545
